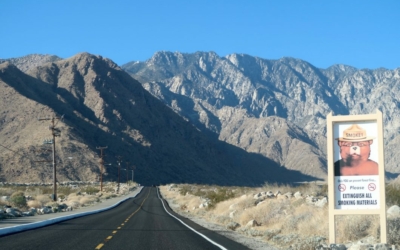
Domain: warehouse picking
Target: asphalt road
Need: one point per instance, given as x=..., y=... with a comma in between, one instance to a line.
x=138, y=223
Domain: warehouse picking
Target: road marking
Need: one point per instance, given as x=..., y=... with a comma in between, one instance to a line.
x=110, y=237
x=202, y=235
x=99, y=246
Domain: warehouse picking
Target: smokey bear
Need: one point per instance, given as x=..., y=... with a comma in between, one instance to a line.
x=355, y=149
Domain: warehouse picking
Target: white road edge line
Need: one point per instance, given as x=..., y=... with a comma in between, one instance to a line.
x=202, y=235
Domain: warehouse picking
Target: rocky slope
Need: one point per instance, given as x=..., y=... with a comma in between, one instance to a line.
x=103, y=106
x=276, y=108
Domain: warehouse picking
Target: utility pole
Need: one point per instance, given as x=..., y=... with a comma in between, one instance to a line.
x=133, y=169
x=119, y=167
x=55, y=132
x=127, y=166
x=101, y=166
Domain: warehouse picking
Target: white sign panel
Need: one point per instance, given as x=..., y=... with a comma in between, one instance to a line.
x=356, y=167
x=357, y=192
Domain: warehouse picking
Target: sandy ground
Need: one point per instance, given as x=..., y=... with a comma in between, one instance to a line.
x=251, y=243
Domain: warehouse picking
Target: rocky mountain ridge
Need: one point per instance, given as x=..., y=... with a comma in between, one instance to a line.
x=103, y=106
x=276, y=108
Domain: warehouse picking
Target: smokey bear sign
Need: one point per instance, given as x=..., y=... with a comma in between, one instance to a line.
x=356, y=167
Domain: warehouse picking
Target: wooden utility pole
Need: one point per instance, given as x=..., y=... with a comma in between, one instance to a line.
x=101, y=166
x=55, y=132
x=119, y=169
x=127, y=166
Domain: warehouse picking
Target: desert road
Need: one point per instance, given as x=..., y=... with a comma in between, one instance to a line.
x=138, y=223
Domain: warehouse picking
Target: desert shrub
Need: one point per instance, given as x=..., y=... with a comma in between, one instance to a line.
x=232, y=225
x=245, y=203
x=73, y=203
x=308, y=243
x=267, y=214
x=184, y=189
x=392, y=194
x=109, y=196
x=85, y=200
x=6, y=191
x=393, y=231
x=18, y=199
x=269, y=233
x=354, y=227
x=43, y=198
x=52, y=204
x=34, y=203
x=46, y=190
x=219, y=195
x=90, y=189
x=108, y=189
x=224, y=220
x=64, y=190
x=198, y=191
x=298, y=202
x=292, y=222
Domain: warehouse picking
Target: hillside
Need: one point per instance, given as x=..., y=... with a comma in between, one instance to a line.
x=103, y=106
x=276, y=108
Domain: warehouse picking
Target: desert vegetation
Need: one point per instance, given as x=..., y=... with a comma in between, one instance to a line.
x=31, y=199
x=289, y=217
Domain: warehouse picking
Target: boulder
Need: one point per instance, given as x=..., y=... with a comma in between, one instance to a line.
x=12, y=212
x=252, y=223
x=232, y=225
x=393, y=211
x=270, y=194
x=321, y=203
x=256, y=196
x=27, y=213
x=297, y=195
x=33, y=210
x=4, y=198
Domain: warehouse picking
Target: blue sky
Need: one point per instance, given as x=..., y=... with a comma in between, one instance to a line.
x=363, y=34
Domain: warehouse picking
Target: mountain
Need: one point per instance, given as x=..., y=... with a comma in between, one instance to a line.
x=276, y=108
x=30, y=61
x=102, y=105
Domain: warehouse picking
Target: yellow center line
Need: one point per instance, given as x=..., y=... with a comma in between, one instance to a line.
x=99, y=246
x=109, y=237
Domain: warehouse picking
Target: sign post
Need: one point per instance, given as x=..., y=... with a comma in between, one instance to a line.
x=356, y=171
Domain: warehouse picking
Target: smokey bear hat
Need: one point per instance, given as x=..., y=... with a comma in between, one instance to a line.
x=355, y=133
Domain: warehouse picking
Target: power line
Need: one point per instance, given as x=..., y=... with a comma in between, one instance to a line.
x=11, y=150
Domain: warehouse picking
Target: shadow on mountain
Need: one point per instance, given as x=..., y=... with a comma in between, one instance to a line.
x=175, y=152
